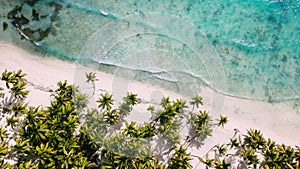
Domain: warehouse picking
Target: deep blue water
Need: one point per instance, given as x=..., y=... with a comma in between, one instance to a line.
x=244, y=48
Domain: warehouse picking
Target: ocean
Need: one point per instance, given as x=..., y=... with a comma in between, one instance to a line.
x=243, y=48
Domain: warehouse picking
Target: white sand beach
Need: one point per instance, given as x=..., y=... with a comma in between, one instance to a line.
x=279, y=121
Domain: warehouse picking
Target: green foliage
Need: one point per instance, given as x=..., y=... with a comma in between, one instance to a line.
x=105, y=101
x=131, y=99
x=207, y=161
x=203, y=125
x=221, y=164
x=252, y=150
x=222, y=121
x=53, y=137
x=180, y=159
x=80, y=100
x=68, y=134
x=116, y=161
x=44, y=137
x=15, y=83
x=197, y=101
x=91, y=78
x=47, y=135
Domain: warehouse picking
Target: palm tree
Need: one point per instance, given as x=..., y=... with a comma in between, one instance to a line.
x=19, y=89
x=91, y=77
x=1, y=93
x=180, y=159
x=196, y=101
x=222, y=121
x=15, y=83
x=165, y=101
x=111, y=117
x=221, y=164
x=131, y=99
x=105, y=101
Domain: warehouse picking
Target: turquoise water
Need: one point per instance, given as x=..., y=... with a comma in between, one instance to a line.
x=244, y=48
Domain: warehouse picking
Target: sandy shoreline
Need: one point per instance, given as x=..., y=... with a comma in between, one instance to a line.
x=279, y=121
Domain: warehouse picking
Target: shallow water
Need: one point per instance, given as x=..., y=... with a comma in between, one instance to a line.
x=244, y=48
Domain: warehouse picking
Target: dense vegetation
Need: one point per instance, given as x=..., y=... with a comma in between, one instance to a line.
x=68, y=134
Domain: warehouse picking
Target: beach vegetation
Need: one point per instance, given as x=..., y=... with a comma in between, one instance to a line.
x=252, y=150
x=91, y=78
x=69, y=134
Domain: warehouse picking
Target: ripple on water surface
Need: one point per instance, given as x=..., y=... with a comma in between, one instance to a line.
x=256, y=42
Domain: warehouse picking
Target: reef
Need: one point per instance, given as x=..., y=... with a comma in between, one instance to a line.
x=24, y=23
